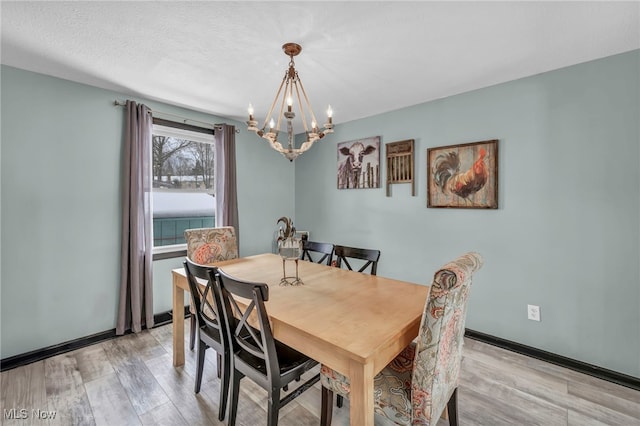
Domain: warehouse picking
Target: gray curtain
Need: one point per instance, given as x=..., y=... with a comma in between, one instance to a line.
x=136, y=292
x=226, y=194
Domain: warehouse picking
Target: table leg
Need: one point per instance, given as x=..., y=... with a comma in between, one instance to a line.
x=178, y=324
x=361, y=395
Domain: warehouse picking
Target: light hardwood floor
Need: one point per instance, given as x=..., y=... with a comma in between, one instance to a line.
x=131, y=381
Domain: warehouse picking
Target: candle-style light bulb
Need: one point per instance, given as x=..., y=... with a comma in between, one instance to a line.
x=271, y=124
x=250, y=109
x=289, y=103
x=329, y=115
x=313, y=126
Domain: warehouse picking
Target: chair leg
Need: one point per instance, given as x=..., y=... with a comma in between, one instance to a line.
x=452, y=408
x=235, y=390
x=224, y=385
x=192, y=331
x=326, y=408
x=274, y=407
x=339, y=401
x=200, y=365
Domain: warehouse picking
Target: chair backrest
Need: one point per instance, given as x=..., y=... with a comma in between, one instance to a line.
x=207, y=304
x=248, y=328
x=209, y=245
x=436, y=366
x=343, y=253
x=325, y=251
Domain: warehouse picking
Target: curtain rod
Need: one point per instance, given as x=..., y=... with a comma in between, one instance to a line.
x=184, y=119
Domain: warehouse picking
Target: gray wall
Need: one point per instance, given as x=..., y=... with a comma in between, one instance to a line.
x=60, y=213
x=566, y=235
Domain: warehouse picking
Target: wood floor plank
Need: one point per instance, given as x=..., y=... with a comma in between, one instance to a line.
x=487, y=408
x=110, y=402
x=93, y=362
x=24, y=394
x=578, y=419
x=142, y=388
x=164, y=415
x=601, y=413
x=574, y=376
x=201, y=409
x=164, y=335
x=507, y=357
x=600, y=397
x=524, y=373
x=146, y=346
x=539, y=366
x=544, y=386
x=298, y=416
x=516, y=406
x=66, y=393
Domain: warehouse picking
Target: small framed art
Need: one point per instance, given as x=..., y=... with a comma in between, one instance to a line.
x=359, y=164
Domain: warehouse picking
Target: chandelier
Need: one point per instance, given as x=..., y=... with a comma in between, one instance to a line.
x=291, y=88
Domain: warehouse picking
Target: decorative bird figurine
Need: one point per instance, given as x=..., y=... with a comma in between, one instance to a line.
x=289, y=248
x=289, y=230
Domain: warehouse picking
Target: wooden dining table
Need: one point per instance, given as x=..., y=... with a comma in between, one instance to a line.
x=354, y=323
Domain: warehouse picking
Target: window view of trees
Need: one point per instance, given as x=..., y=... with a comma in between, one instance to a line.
x=182, y=164
x=183, y=186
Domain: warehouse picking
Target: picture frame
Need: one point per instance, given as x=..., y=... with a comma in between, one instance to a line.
x=359, y=163
x=463, y=176
x=400, y=164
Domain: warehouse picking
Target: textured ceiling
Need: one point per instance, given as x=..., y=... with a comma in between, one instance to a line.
x=363, y=58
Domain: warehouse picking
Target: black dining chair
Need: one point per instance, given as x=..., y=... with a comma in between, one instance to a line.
x=344, y=253
x=210, y=327
x=256, y=354
x=324, y=251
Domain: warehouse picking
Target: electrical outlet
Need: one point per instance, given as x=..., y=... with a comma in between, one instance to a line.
x=533, y=312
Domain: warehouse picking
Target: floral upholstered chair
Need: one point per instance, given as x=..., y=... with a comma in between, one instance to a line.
x=206, y=246
x=209, y=245
x=418, y=384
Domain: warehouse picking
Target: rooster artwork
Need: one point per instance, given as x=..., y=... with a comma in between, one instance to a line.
x=460, y=176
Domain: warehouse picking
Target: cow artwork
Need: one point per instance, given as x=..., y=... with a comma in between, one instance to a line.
x=359, y=163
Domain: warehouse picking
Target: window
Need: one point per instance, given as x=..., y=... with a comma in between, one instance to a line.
x=183, y=180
